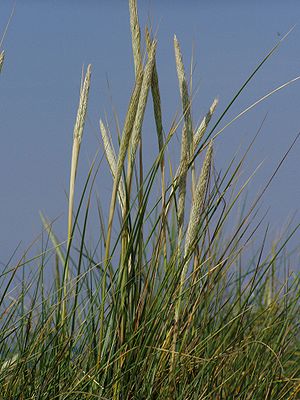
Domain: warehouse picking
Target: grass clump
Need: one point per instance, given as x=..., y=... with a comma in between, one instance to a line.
x=163, y=306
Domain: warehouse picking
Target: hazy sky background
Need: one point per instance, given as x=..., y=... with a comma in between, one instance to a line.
x=48, y=42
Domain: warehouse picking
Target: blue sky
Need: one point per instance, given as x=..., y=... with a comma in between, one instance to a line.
x=48, y=42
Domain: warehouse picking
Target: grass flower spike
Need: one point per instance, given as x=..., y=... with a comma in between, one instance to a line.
x=77, y=137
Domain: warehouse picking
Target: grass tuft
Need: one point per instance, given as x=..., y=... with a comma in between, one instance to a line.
x=157, y=307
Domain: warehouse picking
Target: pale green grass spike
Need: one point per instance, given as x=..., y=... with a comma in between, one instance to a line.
x=204, y=123
x=137, y=127
x=196, y=210
x=135, y=35
x=2, y=56
x=110, y=155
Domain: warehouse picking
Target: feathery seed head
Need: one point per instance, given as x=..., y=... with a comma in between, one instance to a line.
x=204, y=123
x=147, y=78
x=82, y=108
x=196, y=210
x=108, y=149
x=184, y=94
x=112, y=161
x=179, y=65
x=135, y=35
x=1, y=60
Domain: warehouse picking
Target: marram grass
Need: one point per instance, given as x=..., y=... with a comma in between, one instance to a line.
x=1, y=60
x=170, y=302
x=110, y=155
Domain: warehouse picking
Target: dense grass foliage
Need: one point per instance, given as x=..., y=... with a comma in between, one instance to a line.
x=172, y=302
